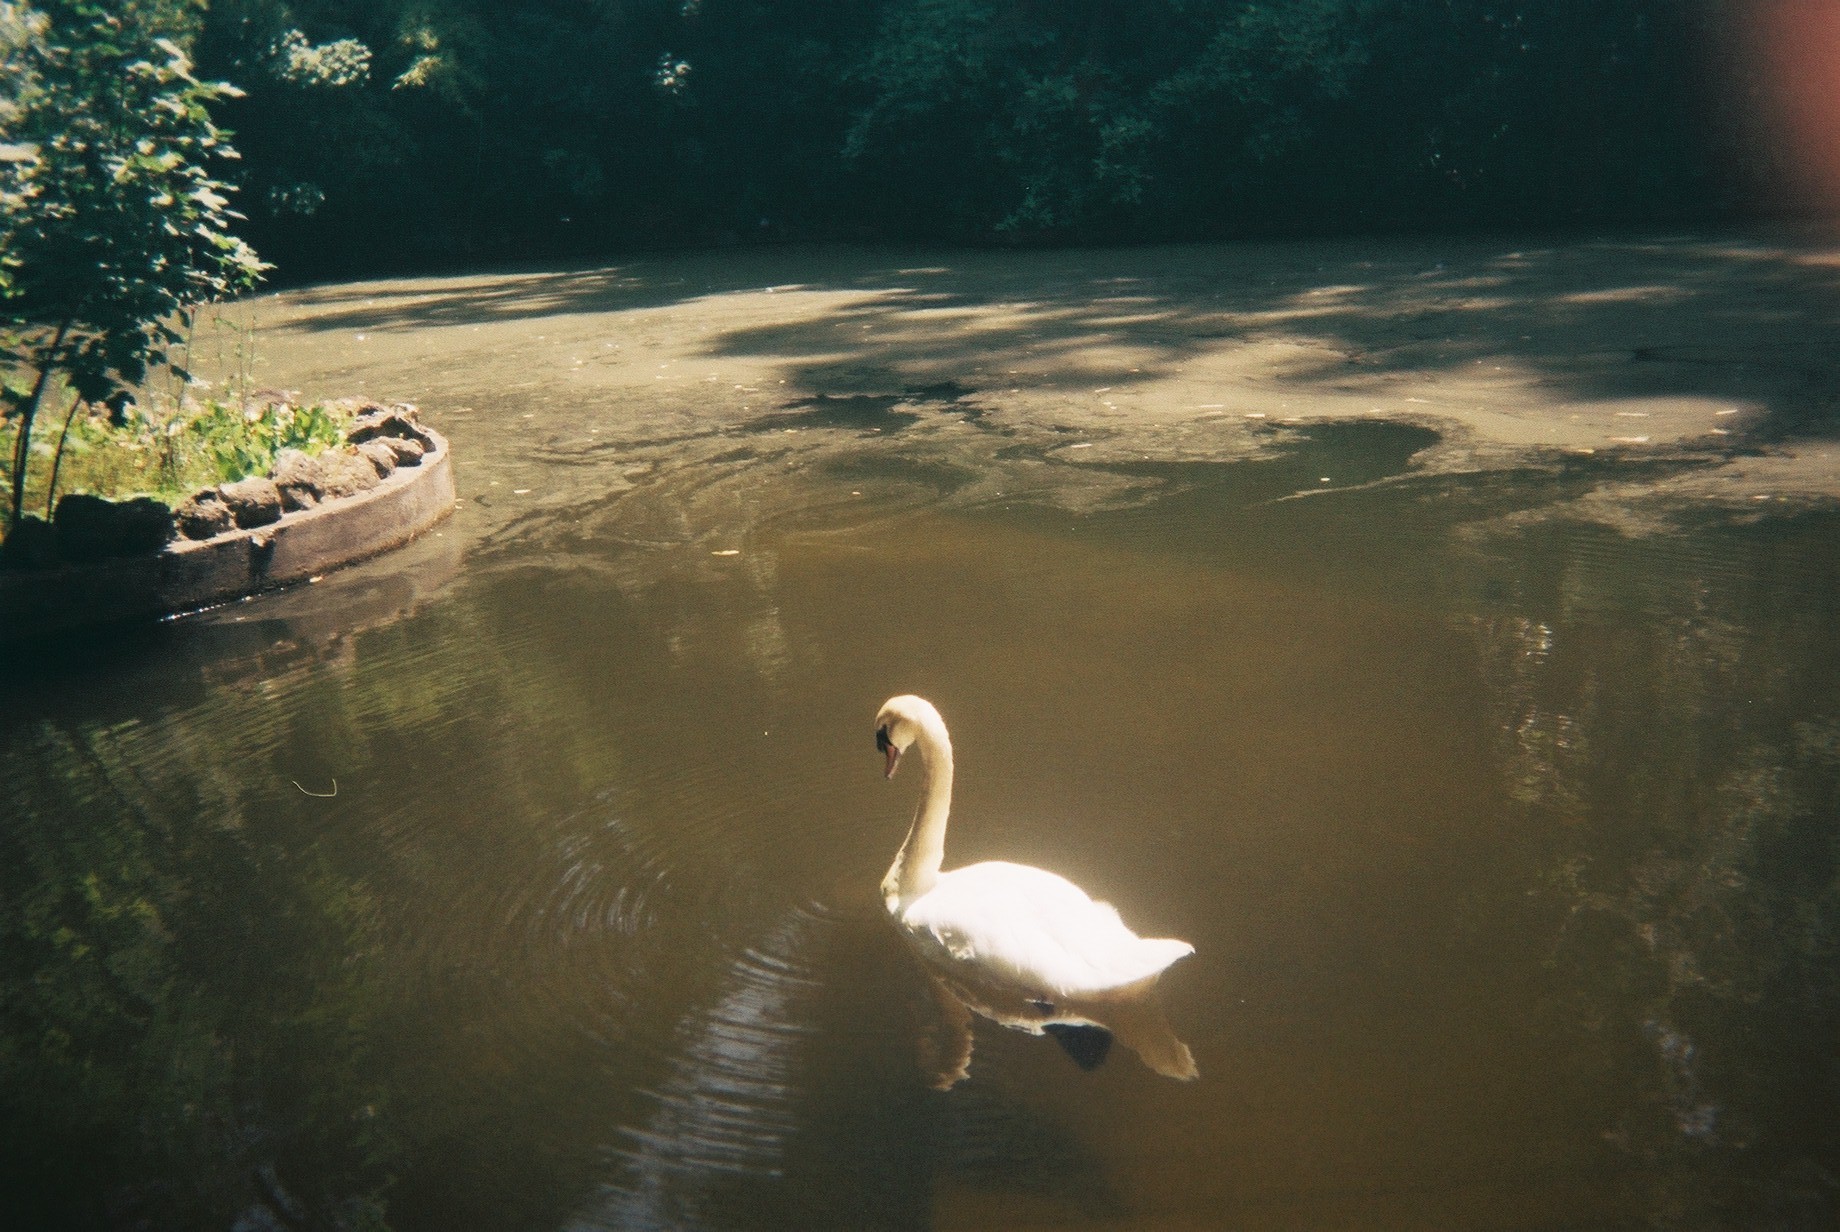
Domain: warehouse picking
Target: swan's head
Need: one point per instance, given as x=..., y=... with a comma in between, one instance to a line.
x=900, y=723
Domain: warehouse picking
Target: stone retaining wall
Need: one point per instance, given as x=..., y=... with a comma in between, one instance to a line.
x=190, y=574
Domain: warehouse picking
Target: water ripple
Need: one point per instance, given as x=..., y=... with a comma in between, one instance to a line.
x=728, y=1105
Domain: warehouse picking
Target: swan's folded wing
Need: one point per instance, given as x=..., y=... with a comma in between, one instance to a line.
x=1035, y=931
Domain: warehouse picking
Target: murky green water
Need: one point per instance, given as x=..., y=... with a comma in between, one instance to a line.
x=1509, y=856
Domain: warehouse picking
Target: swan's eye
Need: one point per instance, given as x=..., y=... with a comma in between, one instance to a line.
x=881, y=740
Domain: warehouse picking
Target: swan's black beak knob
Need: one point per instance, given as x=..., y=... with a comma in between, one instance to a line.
x=886, y=747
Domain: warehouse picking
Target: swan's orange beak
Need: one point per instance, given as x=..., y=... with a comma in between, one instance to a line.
x=887, y=746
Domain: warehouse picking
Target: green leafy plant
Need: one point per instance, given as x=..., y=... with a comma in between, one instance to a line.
x=239, y=442
x=112, y=227
x=171, y=452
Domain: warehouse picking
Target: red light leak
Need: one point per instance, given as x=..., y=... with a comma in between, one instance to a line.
x=1789, y=56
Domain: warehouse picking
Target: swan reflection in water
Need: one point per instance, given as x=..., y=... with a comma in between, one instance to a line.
x=1018, y=945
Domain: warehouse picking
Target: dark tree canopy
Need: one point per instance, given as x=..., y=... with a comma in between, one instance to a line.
x=431, y=132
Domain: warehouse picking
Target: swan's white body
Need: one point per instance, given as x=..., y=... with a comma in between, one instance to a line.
x=1032, y=930
x=1020, y=945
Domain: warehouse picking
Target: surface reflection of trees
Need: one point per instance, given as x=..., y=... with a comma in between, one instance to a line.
x=182, y=1026
x=1668, y=738
x=202, y=969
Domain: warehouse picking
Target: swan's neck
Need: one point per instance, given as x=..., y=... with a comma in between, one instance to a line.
x=916, y=866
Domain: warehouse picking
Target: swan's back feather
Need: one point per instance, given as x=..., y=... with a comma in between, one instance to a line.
x=1036, y=931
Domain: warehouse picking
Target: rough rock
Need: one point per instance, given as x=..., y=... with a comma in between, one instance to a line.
x=91, y=528
x=359, y=408
x=204, y=515
x=298, y=477
x=253, y=502
x=345, y=474
x=397, y=421
x=408, y=450
x=294, y=499
x=381, y=456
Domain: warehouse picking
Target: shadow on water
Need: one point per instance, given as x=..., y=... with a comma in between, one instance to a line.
x=861, y=411
x=1613, y=318
x=1324, y=461
x=870, y=412
x=522, y=294
x=1705, y=315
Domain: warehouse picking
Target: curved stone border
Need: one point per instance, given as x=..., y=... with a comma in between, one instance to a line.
x=190, y=574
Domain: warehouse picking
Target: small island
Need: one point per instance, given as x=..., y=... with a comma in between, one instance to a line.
x=102, y=562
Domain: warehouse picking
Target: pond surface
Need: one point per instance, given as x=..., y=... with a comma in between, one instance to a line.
x=1507, y=854
x=526, y=878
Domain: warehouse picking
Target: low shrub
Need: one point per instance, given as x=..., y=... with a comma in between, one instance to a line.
x=170, y=453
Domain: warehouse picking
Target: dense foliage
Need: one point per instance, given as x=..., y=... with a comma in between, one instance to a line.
x=112, y=222
x=170, y=450
x=419, y=131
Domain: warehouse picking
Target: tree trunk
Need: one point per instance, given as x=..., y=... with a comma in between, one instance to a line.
x=57, y=459
x=22, y=444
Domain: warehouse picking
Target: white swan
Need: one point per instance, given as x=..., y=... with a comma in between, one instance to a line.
x=1017, y=944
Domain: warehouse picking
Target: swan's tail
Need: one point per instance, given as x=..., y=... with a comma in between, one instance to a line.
x=1157, y=953
x=1131, y=970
